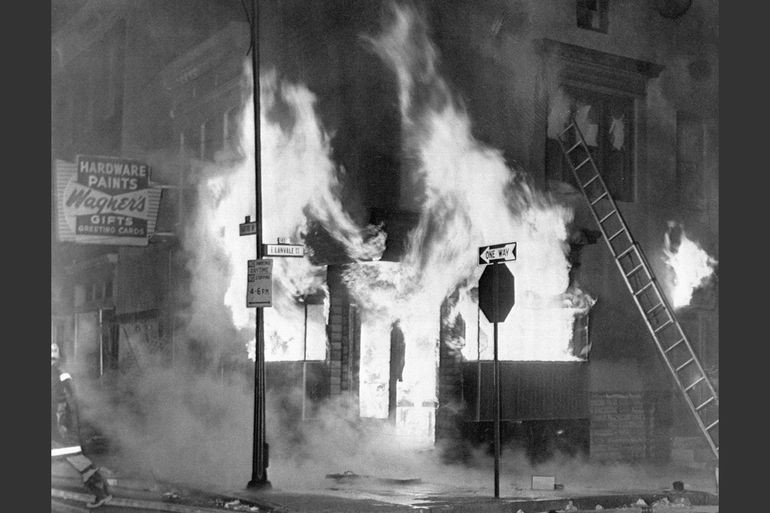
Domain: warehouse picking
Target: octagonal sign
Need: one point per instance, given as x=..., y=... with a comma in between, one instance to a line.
x=496, y=293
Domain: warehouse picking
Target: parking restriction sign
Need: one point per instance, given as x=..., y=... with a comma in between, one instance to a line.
x=259, y=283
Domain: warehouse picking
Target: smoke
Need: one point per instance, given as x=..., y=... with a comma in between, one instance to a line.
x=191, y=421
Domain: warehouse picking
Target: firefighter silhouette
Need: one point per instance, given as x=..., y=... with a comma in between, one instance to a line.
x=65, y=440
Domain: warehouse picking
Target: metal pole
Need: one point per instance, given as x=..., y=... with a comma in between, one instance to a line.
x=304, y=366
x=478, y=366
x=260, y=448
x=496, y=296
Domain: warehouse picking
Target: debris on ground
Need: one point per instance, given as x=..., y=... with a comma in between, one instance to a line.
x=599, y=507
x=237, y=505
x=641, y=503
x=682, y=502
x=171, y=497
x=570, y=507
x=348, y=475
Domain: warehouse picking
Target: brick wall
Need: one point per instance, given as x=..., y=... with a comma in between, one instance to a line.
x=617, y=426
x=631, y=426
x=343, y=332
x=449, y=435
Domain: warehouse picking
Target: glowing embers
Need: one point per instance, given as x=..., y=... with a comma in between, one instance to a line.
x=691, y=267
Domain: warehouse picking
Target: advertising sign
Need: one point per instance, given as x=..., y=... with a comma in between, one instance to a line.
x=106, y=200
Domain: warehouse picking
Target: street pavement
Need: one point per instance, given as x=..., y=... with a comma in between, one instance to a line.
x=362, y=494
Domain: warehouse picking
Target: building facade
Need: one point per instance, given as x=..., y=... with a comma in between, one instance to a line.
x=643, y=74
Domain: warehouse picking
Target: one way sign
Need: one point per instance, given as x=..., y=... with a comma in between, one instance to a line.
x=497, y=253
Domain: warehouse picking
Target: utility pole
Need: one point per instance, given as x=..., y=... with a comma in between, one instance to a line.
x=260, y=450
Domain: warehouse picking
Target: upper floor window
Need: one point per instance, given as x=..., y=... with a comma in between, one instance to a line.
x=607, y=123
x=592, y=15
x=605, y=95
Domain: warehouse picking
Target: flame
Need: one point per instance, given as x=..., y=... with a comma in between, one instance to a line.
x=299, y=184
x=691, y=266
x=468, y=198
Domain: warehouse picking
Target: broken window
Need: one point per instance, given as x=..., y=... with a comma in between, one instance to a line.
x=607, y=124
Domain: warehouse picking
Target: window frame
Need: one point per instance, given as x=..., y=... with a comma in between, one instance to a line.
x=602, y=152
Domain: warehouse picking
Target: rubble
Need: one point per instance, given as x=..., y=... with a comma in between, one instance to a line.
x=237, y=505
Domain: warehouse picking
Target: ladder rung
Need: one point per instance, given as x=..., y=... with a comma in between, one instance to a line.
x=586, y=161
x=643, y=288
x=632, y=271
x=690, y=387
x=591, y=180
x=672, y=346
x=711, y=426
x=617, y=233
x=654, y=308
x=569, y=127
x=629, y=249
x=574, y=146
x=607, y=217
x=663, y=325
x=594, y=202
x=685, y=364
x=707, y=401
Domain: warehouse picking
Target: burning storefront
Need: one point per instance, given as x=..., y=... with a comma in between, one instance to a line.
x=424, y=142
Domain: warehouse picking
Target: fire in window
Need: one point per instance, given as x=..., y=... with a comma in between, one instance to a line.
x=607, y=124
x=592, y=15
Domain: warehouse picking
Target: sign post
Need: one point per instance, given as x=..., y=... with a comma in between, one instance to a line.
x=260, y=447
x=496, y=298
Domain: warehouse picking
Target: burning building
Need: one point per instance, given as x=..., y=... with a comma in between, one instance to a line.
x=396, y=140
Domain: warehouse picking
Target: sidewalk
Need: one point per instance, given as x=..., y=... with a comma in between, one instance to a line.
x=360, y=501
x=372, y=494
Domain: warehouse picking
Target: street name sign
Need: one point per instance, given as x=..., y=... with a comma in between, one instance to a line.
x=248, y=228
x=497, y=253
x=259, y=283
x=283, y=250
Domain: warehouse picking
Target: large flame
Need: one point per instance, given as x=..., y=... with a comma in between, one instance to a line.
x=299, y=184
x=689, y=263
x=467, y=198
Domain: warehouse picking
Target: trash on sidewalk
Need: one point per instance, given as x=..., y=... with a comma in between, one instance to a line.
x=570, y=507
x=171, y=497
x=345, y=476
x=543, y=482
x=682, y=502
x=237, y=505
